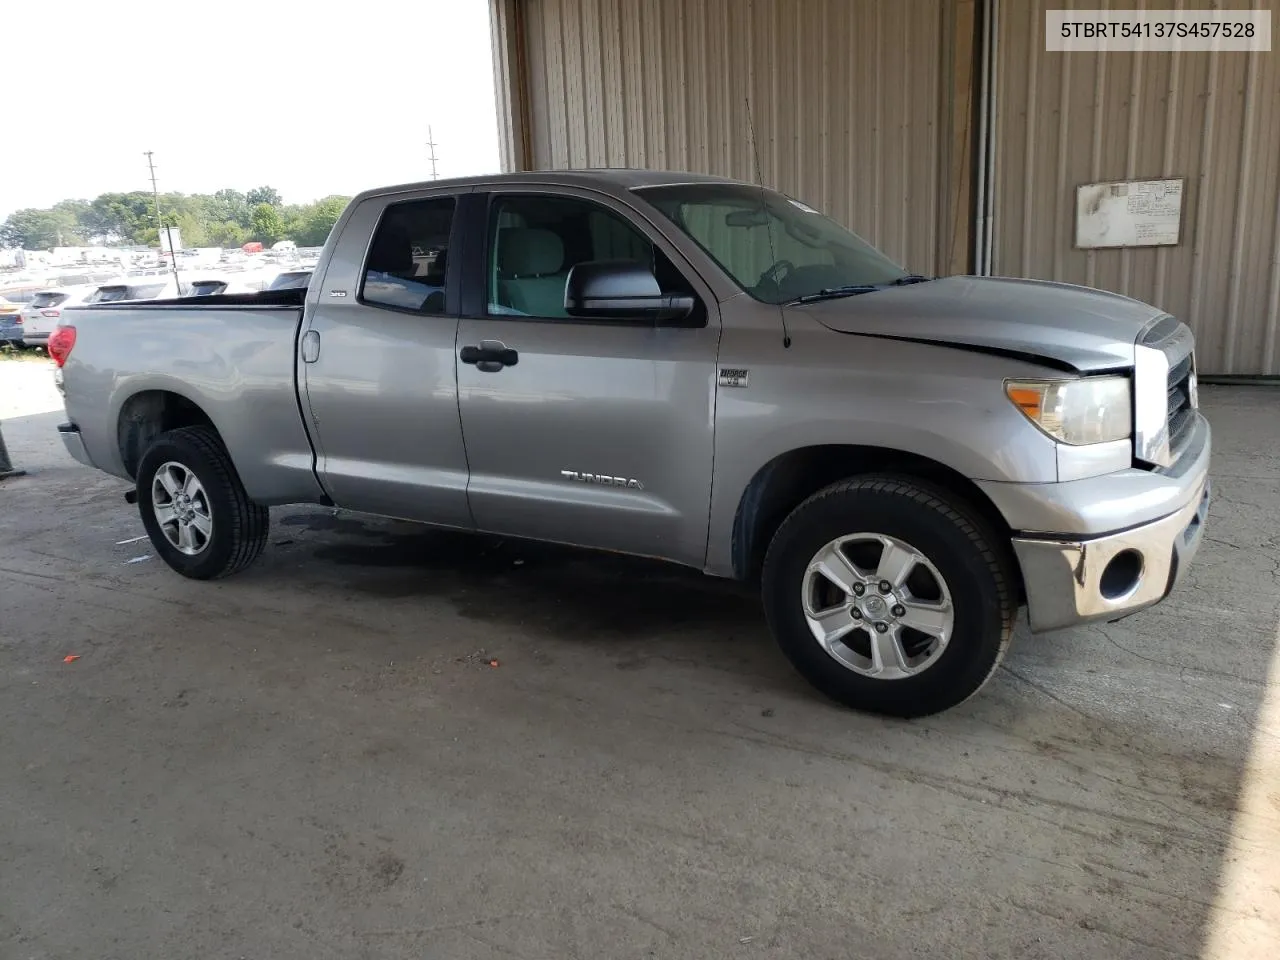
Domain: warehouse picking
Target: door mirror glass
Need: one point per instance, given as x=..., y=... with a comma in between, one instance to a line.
x=621, y=290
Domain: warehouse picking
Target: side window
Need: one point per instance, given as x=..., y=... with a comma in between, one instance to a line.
x=535, y=240
x=409, y=255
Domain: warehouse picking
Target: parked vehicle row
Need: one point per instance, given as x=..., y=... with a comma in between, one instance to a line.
x=31, y=322
x=685, y=368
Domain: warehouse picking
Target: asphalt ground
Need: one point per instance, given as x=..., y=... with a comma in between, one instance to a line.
x=384, y=741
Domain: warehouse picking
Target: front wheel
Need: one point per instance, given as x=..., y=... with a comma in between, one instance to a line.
x=194, y=508
x=890, y=596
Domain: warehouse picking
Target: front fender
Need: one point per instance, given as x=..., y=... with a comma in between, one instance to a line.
x=833, y=390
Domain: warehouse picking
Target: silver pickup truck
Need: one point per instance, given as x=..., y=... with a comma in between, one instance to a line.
x=687, y=368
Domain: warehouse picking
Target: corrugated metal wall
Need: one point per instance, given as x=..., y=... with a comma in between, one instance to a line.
x=848, y=98
x=1214, y=118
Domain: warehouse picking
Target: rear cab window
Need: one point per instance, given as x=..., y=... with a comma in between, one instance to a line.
x=407, y=262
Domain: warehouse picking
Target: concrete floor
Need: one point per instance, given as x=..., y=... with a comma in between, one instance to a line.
x=317, y=760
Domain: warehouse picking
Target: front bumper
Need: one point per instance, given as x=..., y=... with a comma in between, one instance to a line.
x=74, y=443
x=1151, y=526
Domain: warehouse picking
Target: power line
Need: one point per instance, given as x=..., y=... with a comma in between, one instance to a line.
x=160, y=224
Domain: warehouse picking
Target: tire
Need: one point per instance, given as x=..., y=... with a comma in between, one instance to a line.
x=236, y=526
x=963, y=574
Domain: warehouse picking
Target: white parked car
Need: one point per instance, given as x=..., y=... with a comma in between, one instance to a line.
x=41, y=315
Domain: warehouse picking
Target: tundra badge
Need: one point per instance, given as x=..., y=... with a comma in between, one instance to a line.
x=602, y=478
x=734, y=376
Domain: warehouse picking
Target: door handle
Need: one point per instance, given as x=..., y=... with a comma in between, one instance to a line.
x=311, y=346
x=490, y=357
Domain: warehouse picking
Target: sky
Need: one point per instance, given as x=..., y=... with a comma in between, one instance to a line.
x=310, y=99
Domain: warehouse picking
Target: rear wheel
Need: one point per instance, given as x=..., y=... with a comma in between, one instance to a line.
x=194, y=508
x=890, y=596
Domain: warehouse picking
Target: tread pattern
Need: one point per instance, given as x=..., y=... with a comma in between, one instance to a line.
x=249, y=521
x=930, y=497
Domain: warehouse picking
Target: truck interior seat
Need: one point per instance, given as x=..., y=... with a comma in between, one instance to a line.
x=531, y=269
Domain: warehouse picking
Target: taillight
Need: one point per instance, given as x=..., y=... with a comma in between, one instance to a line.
x=60, y=343
x=50, y=313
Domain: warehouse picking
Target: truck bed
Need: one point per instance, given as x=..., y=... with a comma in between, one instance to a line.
x=231, y=357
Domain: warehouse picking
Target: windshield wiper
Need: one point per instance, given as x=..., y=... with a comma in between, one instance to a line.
x=832, y=293
x=853, y=289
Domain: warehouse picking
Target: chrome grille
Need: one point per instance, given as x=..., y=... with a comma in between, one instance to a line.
x=1164, y=392
x=1181, y=407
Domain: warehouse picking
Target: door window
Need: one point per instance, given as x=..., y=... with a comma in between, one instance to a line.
x=408, y=258
x=535, y=240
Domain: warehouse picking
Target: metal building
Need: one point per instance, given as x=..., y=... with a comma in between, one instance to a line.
x=941, y=130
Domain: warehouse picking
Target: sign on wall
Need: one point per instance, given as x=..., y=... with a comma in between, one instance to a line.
x=1129, y=213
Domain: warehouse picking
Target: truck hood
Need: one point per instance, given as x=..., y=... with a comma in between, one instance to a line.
x=1059, y=324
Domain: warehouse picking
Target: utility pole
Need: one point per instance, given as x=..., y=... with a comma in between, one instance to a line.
x=431, y=144
x=160, y=224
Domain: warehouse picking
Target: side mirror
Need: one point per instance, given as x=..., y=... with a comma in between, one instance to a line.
x=621, y=290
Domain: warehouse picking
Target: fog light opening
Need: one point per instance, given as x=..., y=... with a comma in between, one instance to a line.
x=1122, y=575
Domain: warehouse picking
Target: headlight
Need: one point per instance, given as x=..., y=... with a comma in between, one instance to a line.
x=1089, y=410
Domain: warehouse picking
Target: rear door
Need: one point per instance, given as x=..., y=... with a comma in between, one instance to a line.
x=377, y=362
x=600, y=432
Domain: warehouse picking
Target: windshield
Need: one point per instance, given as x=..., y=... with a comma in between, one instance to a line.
x=289, y=281
x=775, y=248
x=107, y=295
x=47, y=300
x=207, y=288
x=148, y=292
x=116, y=293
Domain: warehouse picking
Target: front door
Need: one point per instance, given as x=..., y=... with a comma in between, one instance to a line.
x=596, y=432
x=378, y=363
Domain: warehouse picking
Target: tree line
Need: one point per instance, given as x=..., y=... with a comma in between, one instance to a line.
x=227, y=218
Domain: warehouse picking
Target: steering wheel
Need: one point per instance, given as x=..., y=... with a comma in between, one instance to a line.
x=775, y=274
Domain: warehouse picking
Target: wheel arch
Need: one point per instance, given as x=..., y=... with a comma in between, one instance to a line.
x=149, y=413
x=790, y=478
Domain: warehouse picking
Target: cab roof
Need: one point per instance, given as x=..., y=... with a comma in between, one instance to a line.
x=605, y=179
